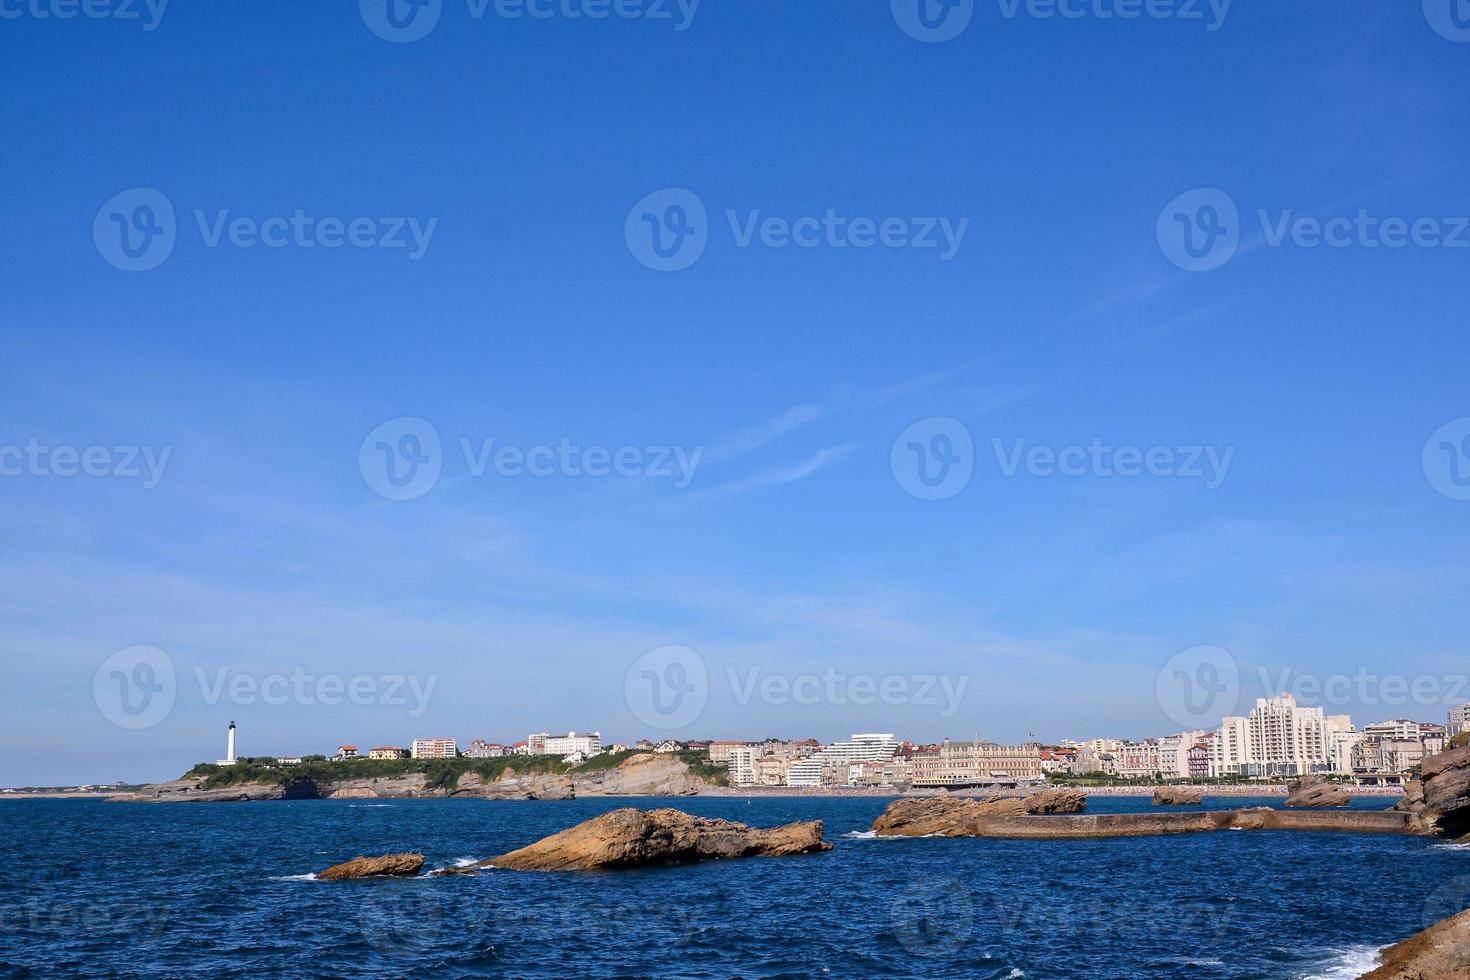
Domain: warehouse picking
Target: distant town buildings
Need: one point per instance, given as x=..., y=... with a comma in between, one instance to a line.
x=542, y=743
x=346, y=752
x=481, y=749
x=1459, y=719
x=387, y=752
x=433, y=748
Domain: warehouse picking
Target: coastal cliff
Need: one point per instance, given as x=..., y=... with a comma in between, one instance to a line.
x=537, y=778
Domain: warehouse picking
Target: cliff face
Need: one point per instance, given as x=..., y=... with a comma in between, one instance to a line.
x=1439, y=800
x=639, y=775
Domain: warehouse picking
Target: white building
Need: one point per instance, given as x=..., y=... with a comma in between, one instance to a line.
x=1459, y=719
x=1278, y=738
x=542, y=743
x=433, y=748
x=741, y=763
x=1395, y=728
x=832, y=765
x=1174, y=753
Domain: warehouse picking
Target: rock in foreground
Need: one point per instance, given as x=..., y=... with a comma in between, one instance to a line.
x=396, y=865
x=629, y=838
x=1439, y=799
x=1177, y=796
x=951, y=816
x=1441, y=952
x=1314, y=791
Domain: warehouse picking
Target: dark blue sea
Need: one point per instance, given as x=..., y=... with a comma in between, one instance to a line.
x=93, y=888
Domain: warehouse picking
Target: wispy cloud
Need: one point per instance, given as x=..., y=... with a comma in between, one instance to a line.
x=789, y=473
x=746, y=440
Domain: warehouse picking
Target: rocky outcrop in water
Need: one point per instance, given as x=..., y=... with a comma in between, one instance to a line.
x=1439, y=800
x=395, y=865
x=953, y=816
x=1177, y=796
x=629, y=838
x=191, y=790
x=1441, y=952
x=1314, y=791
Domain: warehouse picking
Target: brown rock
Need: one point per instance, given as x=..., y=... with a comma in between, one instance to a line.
x=1314, y=791
x=629, y=838
x=1441, y=952
x=1439, y=799
x=952, y=816
x=397, y=865
x=1177, y=796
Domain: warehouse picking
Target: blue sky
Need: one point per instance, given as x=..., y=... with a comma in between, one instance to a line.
x=795, y=550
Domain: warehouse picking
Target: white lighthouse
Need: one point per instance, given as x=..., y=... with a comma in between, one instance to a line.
x=229, y=759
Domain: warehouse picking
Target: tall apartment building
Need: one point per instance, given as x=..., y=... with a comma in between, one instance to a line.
x=740, y=759
x=720, y=749
x=543, y=743
x=1279, y=738
x=433, y=748
x=1459, y=719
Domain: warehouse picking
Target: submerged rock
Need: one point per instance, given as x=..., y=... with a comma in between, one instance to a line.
x=1314, y=791
x=1177, y=796
x=628, y=838
x=1441, y=952
x=396, y=865
x=953, y=816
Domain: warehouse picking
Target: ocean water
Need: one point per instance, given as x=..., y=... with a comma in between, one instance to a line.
x=225, y=890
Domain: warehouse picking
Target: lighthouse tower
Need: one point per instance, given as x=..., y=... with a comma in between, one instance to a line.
x=229, y=759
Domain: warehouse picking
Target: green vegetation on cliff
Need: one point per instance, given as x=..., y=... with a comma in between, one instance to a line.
x=319, y=771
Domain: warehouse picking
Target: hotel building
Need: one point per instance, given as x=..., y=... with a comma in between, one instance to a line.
x=433, y=748
x=978, y=762
x=542, y=743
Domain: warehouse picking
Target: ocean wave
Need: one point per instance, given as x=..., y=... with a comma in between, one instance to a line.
x=1345, y=963
x=874, y=835
x=1449, y=845
x=310, y=876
